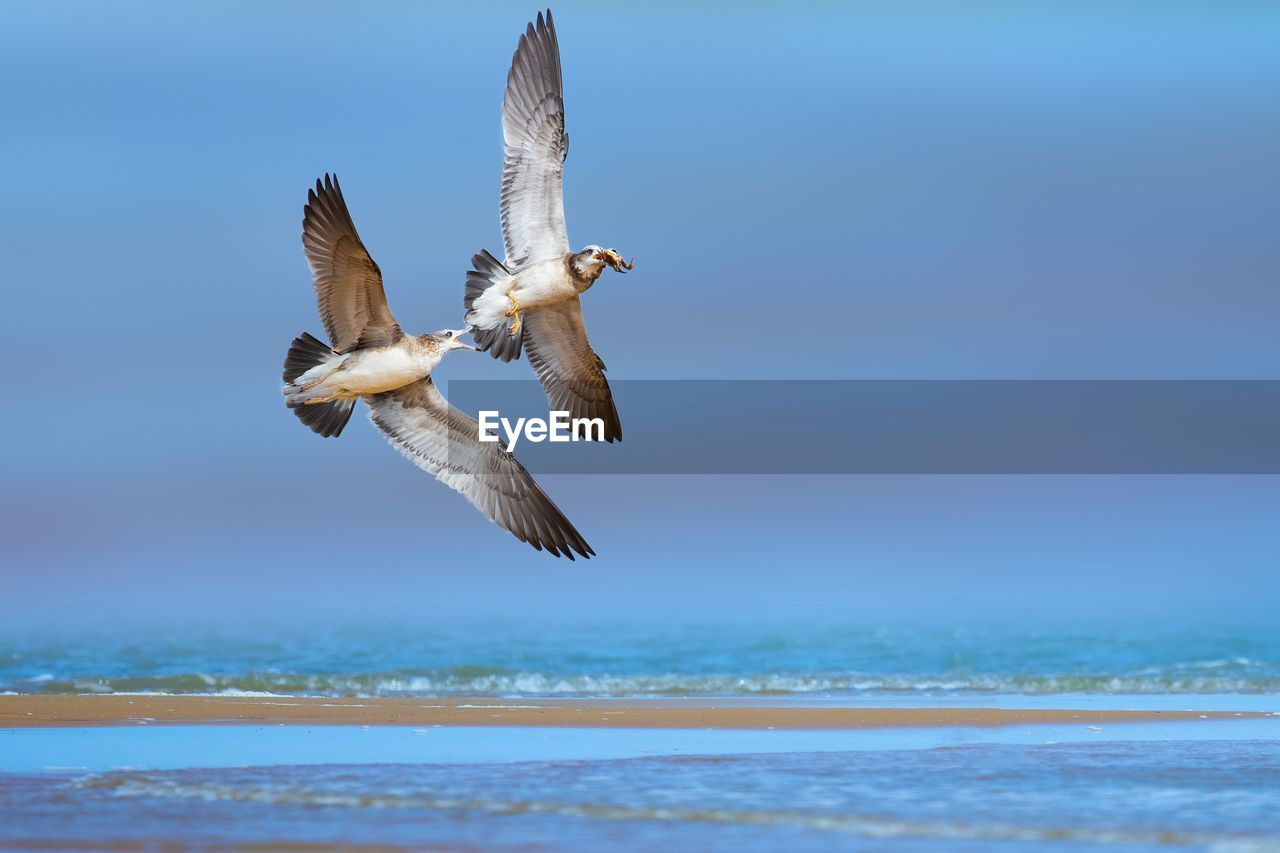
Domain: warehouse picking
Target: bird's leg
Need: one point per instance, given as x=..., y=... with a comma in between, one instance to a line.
x=513, y=311
x=329, y=399
x=314, y=382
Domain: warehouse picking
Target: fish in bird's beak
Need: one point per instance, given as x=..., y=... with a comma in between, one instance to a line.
x=615, y=260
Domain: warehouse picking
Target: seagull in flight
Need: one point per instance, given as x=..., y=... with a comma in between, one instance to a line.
x=371, y=358
x=532, y=300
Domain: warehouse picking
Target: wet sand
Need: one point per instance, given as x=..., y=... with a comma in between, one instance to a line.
x=28, y=711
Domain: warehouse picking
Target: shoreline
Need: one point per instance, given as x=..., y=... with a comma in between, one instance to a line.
x=61, y=711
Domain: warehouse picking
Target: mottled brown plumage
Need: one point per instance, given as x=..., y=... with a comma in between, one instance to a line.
x=539, y=286
x=348, y=283
x=372, y=359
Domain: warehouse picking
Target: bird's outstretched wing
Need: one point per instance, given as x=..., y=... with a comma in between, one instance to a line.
x=348, y=282
x=535, y=146
x=444, y=442
x=571, y=373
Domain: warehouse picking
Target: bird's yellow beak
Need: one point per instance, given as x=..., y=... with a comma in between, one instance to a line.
x=457, y=339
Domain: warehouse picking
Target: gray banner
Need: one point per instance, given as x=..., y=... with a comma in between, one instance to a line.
x=910, y=427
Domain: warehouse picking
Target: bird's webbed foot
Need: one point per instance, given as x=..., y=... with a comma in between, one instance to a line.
x=513, y=311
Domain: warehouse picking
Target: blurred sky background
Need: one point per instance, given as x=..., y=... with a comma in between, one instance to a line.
x=873, y=190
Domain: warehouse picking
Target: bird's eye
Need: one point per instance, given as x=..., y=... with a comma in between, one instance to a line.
x=448, y=334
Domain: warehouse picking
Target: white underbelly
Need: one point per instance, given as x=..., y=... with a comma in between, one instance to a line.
x=543, y=284
x=379, y=370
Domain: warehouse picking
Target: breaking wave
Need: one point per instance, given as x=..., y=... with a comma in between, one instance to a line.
x=1239, y=675
x=537, y=660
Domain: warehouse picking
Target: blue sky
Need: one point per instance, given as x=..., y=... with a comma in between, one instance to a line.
x=866, y=191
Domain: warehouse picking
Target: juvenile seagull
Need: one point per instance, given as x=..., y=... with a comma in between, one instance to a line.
x=372, y=358
x=537, y=288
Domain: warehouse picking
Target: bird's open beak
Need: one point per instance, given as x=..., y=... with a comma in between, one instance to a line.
x=615, y=260
x=457, y=344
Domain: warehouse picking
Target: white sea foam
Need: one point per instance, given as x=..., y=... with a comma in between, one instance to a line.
x=464, y=681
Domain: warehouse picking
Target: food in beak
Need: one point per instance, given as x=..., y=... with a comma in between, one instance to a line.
x=615, y=260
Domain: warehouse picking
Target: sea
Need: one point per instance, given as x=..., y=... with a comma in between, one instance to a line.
x=1199, y=785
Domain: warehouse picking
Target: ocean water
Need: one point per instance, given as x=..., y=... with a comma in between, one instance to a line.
x=1220, y=796
x=605, y=659
x=1199, y=785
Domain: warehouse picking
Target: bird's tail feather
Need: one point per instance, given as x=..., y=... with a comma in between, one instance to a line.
x=326, y=419
x=486, y=303
x=305, y=352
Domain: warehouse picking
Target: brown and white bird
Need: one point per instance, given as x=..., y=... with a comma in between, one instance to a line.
x=537, y=290
x=371, y=358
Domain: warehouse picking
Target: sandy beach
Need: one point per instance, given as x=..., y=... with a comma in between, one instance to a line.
x=27, y=711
